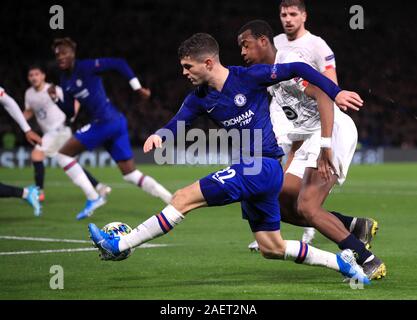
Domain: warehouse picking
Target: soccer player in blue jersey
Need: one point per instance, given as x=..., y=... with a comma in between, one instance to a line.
x=225, y=94
x=81, y=81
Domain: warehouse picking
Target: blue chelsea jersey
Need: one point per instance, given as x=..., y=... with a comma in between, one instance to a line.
x=243, y=102
x=84, y=84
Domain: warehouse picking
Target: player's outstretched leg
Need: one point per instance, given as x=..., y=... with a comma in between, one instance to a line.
x=37, y=157
x=183, y=201
x=75, y=172
x=102, y=189
x=312, y=195
x=272, y=246
x=146, y=183
x=66, y=160
x=30, y=194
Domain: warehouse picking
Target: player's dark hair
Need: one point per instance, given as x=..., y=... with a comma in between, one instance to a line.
x=198, y=46
x=258, y=28
x=64, y=42
x=293, y=3
x=36, y=67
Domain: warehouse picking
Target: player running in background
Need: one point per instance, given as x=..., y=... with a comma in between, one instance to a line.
x=81, y=80
x=224, y=94
x=51, y=120
x=315, y=167
x=30, y=193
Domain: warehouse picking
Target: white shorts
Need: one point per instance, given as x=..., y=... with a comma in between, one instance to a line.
x=52, y=141
x=344, y=140
x=281, y=126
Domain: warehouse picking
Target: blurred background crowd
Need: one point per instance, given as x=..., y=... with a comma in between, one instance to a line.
x=377, y=62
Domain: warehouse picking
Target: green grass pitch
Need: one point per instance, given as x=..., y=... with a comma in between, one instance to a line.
x=207, y=255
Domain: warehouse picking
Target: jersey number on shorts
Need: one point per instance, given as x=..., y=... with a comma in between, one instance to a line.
x=224, y=174
x=290, y=113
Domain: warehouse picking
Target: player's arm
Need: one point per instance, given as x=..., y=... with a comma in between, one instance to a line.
x=13, y=109
x=294, y=147
x=189, y=111
x=267, y=75
x=28, y=112
x=62, y=99
x=121, y=66
x=326, y=111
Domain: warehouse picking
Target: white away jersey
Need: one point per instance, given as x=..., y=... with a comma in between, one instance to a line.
x=48, y=114
x=313, y=49
x=289, y=95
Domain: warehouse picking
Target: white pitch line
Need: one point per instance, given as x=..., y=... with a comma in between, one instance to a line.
x=11, y=253
x=43, y=239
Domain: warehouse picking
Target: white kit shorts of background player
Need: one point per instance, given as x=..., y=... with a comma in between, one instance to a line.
x=50, y=118
x=303, y=112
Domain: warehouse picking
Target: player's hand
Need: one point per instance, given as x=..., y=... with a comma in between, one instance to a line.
x=153, y=141
x=324, y=164
x=144, y=93
x=33, y=138
x=348, y=100
x=52, y=92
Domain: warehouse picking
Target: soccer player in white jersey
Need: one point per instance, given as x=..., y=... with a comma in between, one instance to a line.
x=328, y=140
x=312, y=48
x=30, y=193
x=52, y=121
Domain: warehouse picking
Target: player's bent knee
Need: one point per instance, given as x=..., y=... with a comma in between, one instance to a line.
x=306, y=210
x=37, y=155
x=180, y=200
x=188, y=198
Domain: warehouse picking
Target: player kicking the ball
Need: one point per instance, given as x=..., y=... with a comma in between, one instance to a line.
x=81, y=80
x=30, y=193
x=225, y=93
x=327, y=139
x=51, y=120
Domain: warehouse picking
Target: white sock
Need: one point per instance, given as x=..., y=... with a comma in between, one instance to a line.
x=301, y=252
x=149, y=185
x=77, y=175
x=152, y=228
x=25, y=193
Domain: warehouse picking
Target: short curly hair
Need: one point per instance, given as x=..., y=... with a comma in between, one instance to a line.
x=64, y=42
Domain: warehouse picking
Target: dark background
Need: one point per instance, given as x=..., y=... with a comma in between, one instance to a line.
x=378, y=62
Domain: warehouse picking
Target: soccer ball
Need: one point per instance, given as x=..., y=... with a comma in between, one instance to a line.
x=117, y=229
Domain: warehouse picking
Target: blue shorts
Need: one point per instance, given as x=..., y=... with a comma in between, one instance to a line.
x=258, y=194
x=112, y=135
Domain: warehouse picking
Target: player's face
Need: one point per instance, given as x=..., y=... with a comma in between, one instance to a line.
x=251, y=49
x=36, y=78
x=195, y=71
x=64, y=56
x=292, y=19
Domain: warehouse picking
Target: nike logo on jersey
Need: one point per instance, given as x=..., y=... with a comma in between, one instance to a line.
x=210, y=110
